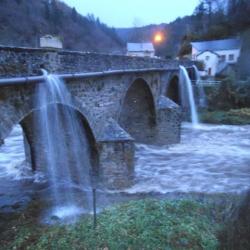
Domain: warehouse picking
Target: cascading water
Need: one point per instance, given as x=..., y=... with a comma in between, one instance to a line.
x=64, y=145
x=185, y=82
x=202, y=95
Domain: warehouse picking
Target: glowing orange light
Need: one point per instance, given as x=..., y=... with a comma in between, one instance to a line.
x=158, y=38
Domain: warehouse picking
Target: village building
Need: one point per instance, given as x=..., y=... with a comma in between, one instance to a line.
x=49, y=41
x=218, y=56
x=140, y=49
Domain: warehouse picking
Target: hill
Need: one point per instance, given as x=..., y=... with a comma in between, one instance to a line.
x=22, y=22
x=211, y=20
x=173, y=33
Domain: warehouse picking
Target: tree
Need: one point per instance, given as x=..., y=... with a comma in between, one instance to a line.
x=74, y=14
x=238, y=14
x=47, y=11
x=91, y=18
x=243, y=66
x=18, y=1
x=200, y=9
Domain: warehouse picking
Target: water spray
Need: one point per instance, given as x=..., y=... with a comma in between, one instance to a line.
x=94, y=207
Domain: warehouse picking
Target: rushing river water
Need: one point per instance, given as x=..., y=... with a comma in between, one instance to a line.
x=209, y=159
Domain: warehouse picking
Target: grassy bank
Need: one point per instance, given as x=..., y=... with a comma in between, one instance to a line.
x=231, y=117
x=144, y=224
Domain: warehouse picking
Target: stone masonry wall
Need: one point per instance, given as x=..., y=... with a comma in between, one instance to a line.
x=104, y=101
x=27, y=61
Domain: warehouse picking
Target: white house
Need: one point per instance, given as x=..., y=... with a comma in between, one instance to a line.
x=49, y=41
x=216, y=55
x=140, y=49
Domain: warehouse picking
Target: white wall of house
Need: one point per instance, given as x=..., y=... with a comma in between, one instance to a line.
x=141, y=53
x=195, y=52
x=231, y=56
x=49, y=41
x=210, y=60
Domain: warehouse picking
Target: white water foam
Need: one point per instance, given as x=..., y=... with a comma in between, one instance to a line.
x=209, y=159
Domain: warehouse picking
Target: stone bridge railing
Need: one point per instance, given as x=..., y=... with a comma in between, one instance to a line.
x=27, y=61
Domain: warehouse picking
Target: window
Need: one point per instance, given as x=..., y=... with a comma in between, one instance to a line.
x=231, y=57
x=207, y=58
x=223, y=58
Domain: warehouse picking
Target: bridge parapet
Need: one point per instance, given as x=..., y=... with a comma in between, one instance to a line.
x=28, y=61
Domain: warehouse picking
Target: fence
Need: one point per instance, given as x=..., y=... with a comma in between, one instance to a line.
x=206, y=82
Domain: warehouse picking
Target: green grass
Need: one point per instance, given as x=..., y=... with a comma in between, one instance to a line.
x=231, y=117
x=143, y=224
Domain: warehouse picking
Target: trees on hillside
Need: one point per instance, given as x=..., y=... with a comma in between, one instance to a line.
x=22, y=22
x=238, y=14
x=111, y=32
x=217, y=19
x=74, y=14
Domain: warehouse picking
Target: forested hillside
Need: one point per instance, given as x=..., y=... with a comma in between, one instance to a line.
x=212, y=19
x=173, y=33
x=22, y=22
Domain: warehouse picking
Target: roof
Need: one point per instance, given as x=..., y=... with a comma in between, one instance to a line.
x=138, y=47
x=226, y=44
x=212, y=52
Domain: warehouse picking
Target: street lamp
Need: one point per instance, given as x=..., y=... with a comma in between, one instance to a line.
x=158, y=37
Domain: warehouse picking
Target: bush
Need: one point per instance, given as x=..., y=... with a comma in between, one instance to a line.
x=237, y=230
x=231, y=117
x=228, y=95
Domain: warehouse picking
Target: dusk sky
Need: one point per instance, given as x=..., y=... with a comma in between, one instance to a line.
x=128, y=12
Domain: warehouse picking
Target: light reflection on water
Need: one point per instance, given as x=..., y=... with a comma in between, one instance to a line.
x=210, y=158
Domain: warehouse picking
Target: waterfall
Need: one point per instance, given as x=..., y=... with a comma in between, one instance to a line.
x=202, y=95
x=185, y=82
x=64, y=149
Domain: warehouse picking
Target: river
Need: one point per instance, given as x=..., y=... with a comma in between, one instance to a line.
x=209, y=159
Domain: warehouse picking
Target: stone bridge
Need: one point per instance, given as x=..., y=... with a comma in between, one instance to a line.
x=120, y=100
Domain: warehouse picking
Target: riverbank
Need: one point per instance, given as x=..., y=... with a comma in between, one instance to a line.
x=230, y=117
x=201, y=222
x=145, y=224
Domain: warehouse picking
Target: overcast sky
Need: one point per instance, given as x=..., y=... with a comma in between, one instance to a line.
x=125, y=13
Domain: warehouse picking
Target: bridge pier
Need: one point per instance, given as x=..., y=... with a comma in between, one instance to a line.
x=116, y=164
x=116, y=155
x=169, y=116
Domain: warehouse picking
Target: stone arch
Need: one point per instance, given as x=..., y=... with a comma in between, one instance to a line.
x=16, y=113
x=138, y=115
x=32, y=134
x=173, y=90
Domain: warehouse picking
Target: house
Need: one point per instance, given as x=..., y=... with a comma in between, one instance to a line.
x=49, y=41
x=140, y=49
x=217, y=55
